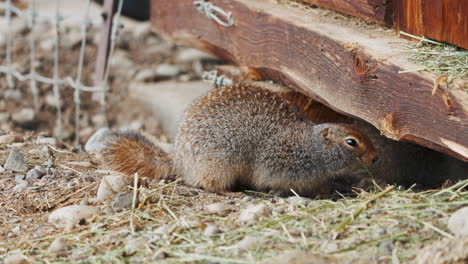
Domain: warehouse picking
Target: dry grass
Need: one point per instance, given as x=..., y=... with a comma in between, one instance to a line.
x=440, y=58
x=389, y=226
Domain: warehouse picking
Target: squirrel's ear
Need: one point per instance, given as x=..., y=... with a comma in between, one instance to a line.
x=324, y=133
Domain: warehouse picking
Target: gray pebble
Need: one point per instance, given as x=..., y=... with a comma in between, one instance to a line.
x=47, y=141
x=13, y=94
x=97, y=142
x=247, y=199
x=123, y=201
x=386, y=247
x=24, y=116
x=135, y=245
x=21, y=186
x=254, y=212
x=4, y=117
x=15, y=162
x=163, y=230
x=16, y=259
x=167, y=70
x=217, y=208
x=295, y=200
x=458, y=222
x=19, y=178
x=381, y=232
x=58, y=248
x=35, y=173
x=48, y=164
x=9, y=139
x=211, y=230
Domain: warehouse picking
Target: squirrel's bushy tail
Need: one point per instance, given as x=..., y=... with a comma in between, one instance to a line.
x=130, y=152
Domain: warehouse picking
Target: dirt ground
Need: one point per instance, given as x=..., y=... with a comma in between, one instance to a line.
x=173, y=223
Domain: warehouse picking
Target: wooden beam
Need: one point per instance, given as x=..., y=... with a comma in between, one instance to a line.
x=379, y=11
x=445, y=21
x=350, y=68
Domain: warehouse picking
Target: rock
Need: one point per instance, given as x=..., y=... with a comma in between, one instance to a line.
x=47, y=141
x=167, y=70
x=16, y=259
x=160, y=254
x=445, y=251
x=191, y=55
x=10, y=138
x=123, y=201
x=70, y=215
x=4, y=117
x=295, y=200
x=249, y=242
x=458, y=222
x=380, y=232
x=21, y=186
x=19, y=178
x=386, y=247
x=2, y=170
x=164, y=230
x=13, y=94
x=110, y=186
x=47, y=44
x=211, y=230
x=146, y=75
x=35, y=152
x=141, y=30
x=121, y=64
x=247, y=199
x=135, y=245
x=58, y=248
x=36, y=173
x=52, y=101
x=84, y=164
x=217, y=208
x=97, y=142
x=15, y=162
x=254, y=212
x=24, y=116
x=71, y=39
x=48, y=163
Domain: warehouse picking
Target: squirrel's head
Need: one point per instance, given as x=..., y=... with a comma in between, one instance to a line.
x=349, y=148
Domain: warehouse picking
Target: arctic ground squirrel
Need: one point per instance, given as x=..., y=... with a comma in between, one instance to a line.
x=247, y=136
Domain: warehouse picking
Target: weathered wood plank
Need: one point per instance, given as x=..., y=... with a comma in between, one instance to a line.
x=352, y=69
x=379, y=11
x=445, y=21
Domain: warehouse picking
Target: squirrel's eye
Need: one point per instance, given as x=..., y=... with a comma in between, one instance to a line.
x=351, y=142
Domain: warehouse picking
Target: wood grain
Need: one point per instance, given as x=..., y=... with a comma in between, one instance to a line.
x=445, y=21
x=379, y=11
x=351, y=69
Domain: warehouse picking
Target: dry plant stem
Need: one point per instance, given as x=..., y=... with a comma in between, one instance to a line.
x=71, y=195
x=135, y=191
x=358, y=211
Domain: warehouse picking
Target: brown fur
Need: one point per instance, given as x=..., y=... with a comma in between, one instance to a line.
x=129, y=152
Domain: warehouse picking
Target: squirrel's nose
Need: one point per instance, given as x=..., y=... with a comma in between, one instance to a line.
x=375, y=159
